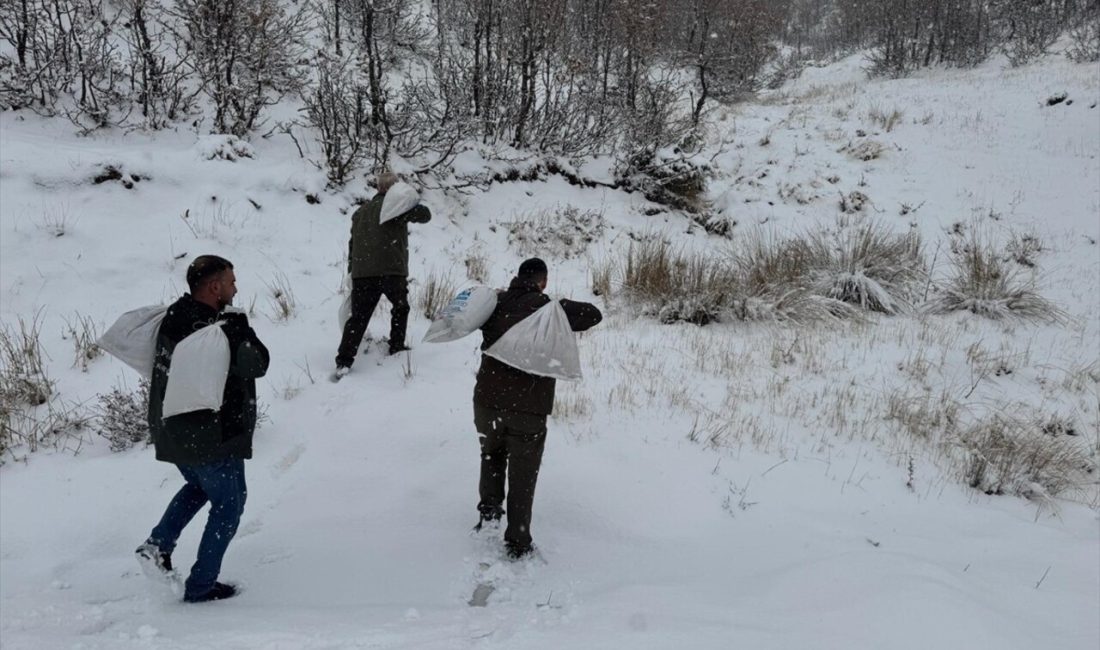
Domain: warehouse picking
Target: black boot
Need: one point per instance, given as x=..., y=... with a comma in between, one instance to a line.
x=220, y=591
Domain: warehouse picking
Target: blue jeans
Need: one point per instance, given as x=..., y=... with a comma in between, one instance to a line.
x=222, y=484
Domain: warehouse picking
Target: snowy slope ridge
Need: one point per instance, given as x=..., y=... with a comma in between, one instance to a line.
x=731, y=486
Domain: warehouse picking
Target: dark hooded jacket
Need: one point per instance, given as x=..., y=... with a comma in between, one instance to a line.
x=207, y=436
x=378, y=249
x=500, y=386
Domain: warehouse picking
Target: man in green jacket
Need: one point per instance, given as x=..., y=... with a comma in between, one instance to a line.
x=378, y=261
x=208, y=447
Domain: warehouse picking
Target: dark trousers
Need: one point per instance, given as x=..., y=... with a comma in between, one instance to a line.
x=222, y=484
x=511, y=446
x=365, y=294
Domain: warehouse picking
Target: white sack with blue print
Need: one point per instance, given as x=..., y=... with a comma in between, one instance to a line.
x=465, y=314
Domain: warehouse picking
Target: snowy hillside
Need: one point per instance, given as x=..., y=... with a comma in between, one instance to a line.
x=757, y=485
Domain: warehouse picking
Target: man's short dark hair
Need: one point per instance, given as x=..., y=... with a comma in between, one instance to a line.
x=532, y=269
x=205, y=267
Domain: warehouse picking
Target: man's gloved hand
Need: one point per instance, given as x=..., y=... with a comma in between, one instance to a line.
x=236, y=327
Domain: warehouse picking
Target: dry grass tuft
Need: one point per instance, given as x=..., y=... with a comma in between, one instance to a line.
x=984, y=284
x=435, y=295
x=1006, y=454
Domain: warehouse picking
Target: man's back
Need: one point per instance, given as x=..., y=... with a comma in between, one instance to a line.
x=380, y=249
x=503, y=387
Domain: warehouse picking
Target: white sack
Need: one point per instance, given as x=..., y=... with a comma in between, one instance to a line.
x=196, y=378
x=133, y=338
x=398, y=200
x=344, y=313
x=466, y=312
x=542, y=344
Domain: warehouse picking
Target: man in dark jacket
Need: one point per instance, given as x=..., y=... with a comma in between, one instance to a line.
x=208, y=447
x=510, y=408
x=378, y=261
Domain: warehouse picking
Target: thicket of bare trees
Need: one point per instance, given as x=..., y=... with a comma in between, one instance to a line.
x=566, y=78
x=907, y=34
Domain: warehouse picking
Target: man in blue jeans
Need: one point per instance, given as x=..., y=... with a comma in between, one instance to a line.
x=209, y=447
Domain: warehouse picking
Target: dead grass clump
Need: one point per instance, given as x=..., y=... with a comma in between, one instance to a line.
x=871, y=267
x=284, y=305
x=602, y=273
x=1024, y=249
x=477, y=267
x=82, y=331
x=678, y=286
x=435, y=295
x=984, y=284
x=23, y=379
x=865, y=151
x=927, y=417
x=1012, y=455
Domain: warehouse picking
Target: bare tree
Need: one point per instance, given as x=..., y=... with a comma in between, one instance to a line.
x=249, y=54
x=161, y=83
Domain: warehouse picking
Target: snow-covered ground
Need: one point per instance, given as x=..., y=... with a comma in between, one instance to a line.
x=732, y=486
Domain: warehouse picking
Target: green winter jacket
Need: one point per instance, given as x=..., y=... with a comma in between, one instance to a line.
x=381, y=249
x=206, y=436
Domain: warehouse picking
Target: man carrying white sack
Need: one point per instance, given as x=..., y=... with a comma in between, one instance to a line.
x=378, y=262
x=209, y=446
x=511, y=406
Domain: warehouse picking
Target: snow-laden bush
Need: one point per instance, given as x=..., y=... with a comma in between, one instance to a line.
x=562, y=233
x=123, y=417
x=1010, y=454
x=1086, y=37
x=871, y=267
x=224, y=147
x=982, y=282
x=670, y=176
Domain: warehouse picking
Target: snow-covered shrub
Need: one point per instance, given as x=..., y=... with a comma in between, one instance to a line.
x=337, y=107
x=247, y=54
x=866, y=150
x=871, y=267
x=123, y=417
x=62, y=59
x=1031, y=29
x=1085, y=37
x=1011, y=454
x=853, y=202
x=563, y=232
x=669, y=176
x=224, y=147
x=983, y=283
x=159, y=67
